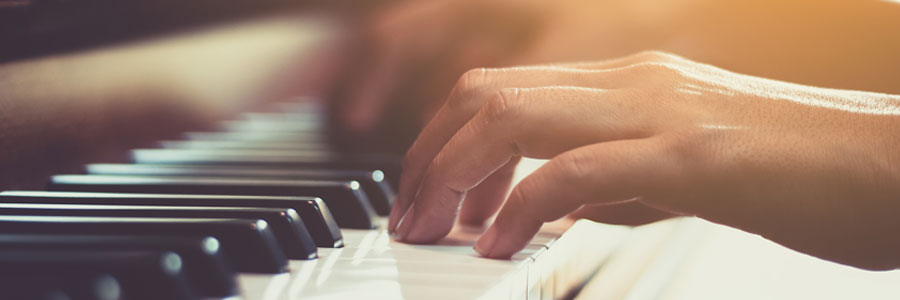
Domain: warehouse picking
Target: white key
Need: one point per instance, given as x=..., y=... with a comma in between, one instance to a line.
x=375, y=267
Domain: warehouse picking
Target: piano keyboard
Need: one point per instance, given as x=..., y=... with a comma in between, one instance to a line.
x=264, y=209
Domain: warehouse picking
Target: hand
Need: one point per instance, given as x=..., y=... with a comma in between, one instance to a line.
x=421, y=47
x=817, y=170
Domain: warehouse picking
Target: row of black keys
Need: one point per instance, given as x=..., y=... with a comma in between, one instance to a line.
x=179, y=230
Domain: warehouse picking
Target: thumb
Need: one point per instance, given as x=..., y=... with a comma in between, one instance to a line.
x=605, y=173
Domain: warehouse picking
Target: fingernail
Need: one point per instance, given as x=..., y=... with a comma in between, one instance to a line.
x=396, y=211
x=486, y=242
x=406, y=224
x=393, y=220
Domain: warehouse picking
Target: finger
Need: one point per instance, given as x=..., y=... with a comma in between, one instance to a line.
x=361, y=110
x=480, y=149
x=486, y=198
x=540, y=122
x=396, y=46
x=468, y=96
x=475, y=51
x=371, y=98
x=630, y=213
x=604, y=173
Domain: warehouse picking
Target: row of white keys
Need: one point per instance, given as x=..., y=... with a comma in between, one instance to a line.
x=374, y=267
x=371, y=266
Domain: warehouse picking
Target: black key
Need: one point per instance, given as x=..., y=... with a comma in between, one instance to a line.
x=313, y=212
x=373, y=183
x=285, y=223
x=142, y=274
x=390, y=164
x=204, y=263
x=248, y=245
x=349, y=205
x=61, y=286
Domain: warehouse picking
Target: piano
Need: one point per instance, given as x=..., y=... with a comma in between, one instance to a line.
x=201, y=164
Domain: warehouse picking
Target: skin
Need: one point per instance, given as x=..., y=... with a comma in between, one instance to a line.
x=439, y=39
x=419, y=48
x=652, y=135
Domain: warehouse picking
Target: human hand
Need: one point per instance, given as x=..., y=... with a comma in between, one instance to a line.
x=814, y=169
x=423, y=46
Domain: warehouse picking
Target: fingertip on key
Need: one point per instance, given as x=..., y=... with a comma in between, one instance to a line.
x=393, y=220
x=486, y=242
x=402, y=231
x=397, y=214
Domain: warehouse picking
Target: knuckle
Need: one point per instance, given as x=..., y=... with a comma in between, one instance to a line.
x=441, y=170
x=449, y=204
x=657, y=71
x=691, y=150
x=504, y=105
x=656, y=55
x=687, y=164
x=682, y=144
x=468, y=86
x=472, y=79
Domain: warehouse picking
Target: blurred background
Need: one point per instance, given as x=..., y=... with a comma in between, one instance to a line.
x=84, y=80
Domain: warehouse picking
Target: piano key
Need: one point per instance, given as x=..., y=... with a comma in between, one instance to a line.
x=142, y=274
x=248, y=245
x=204, y=263
x=560, y=256
x=245, y=136
x=244, y=145
x=288, y=121
x=313, y=212
x=53, y=286
x=371, y=261
x=304, y=112
x=390, y=164
x=277, y=125
x=285, y=223
x=373, y=183
x=349, y=205
x=268, y=156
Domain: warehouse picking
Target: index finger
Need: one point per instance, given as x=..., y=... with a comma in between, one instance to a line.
x=503, y=129
x=472, y=91
x=468, y=96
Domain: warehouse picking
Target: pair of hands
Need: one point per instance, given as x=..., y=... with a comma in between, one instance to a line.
x=656, y=135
